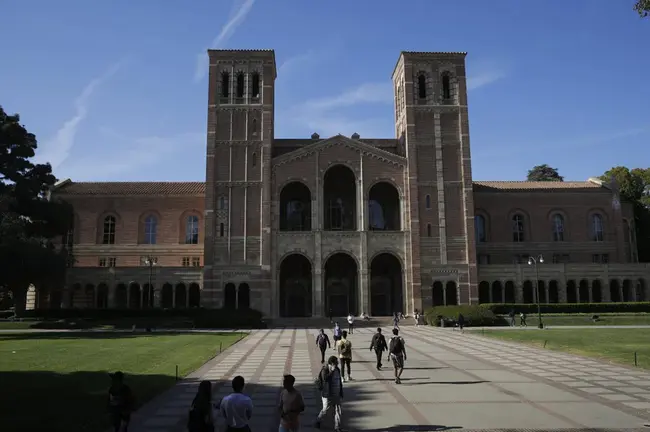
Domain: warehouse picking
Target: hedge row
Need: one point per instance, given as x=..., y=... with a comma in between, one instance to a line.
x=200, y=317
x=568, y=308
x=475, y=316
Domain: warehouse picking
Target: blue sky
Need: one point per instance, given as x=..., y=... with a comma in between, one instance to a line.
x=117, y=90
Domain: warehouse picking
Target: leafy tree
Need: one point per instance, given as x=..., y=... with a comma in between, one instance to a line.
x=642, y=7
x=29, y=221
x=544, y=173
x=634, y=187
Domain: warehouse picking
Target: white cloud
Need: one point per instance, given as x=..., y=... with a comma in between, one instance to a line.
x=131, y=155
x=365, y=93
x=293, y=62
x=484, y=78
x=238, y=14
x=57, y=149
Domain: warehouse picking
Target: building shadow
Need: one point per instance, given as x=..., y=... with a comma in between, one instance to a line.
x=102, y=335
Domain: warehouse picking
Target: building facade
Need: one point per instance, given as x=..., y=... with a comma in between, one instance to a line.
x=302, y=227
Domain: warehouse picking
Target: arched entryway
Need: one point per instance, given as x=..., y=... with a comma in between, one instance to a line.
x=243, y=296
x=167, y=296
x=583, y=291
x=340, y=199
x=89, y=296
x=641, y=293
x=438, y=294
x=596, y=291
x=121, y=296
x=484, y=292
x=529, y=292
x=451, y=293
x=295, y=286
x=628, y=291
x=341, y=285
x=553, y=292
x=195, y=295
x=135, y=296
x=385, y=285
x=230, y=296
x=102, y=296
x=571, y=292
x=614, y=290
x=541, y=292
x=295, y=207
x=384, y=207
x=180, y=296
x=497, y=292
x=510, y=296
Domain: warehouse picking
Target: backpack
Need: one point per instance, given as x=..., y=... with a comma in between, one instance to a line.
x=320, y=384
x=195, y=420
x=396, y=345
x=346, y=348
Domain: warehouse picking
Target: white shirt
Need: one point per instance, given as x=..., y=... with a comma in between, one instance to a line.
x=237, y=409
x=350, y=319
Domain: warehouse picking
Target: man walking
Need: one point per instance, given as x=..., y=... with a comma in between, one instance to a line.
x=331, y=392
x=237, y=408
x=350, y=324
x=121, y=402
x=397, y=353
x=344, y=347
x=337, y=334
x=322, y=342
x=378, y=343
x=291, y=405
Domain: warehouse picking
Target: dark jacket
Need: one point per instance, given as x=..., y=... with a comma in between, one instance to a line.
x=325, y=381
x=378, y=342
x=323, y=340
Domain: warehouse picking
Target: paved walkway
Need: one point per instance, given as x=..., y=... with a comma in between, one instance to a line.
x=452, y=381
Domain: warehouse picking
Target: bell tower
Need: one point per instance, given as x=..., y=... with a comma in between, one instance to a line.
x=431, y=121
x=237, y=249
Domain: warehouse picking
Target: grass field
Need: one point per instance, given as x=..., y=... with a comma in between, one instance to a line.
x=615, y=345
x=585, y=319
x=61, y=379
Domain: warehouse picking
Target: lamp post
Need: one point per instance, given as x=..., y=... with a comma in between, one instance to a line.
x=535, y=261
x=151, y=261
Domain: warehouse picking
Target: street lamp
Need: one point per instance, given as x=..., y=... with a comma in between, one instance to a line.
x=535, y=261
x=151, y=261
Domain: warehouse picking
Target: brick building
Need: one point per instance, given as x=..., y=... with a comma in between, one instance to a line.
x=294, y=227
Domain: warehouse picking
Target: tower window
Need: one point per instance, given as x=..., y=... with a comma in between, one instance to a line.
x=225, y=84
x=221, y=230
x=428, y=230
x=255, y=85
x=446, y=86
x=422, y=86
x=427, y=201
x=254, y=159
x=240, y=85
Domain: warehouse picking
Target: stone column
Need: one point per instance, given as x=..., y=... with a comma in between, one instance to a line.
x=604, y=287
x=317, y=306
x=519, y=292
x=173, y=296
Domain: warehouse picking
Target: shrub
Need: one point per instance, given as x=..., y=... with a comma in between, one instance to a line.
x=475, y=315
x=569, y=308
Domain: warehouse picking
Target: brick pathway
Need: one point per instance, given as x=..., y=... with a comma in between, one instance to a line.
x=452, y=381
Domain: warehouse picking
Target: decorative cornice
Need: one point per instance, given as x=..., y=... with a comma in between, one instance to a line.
x=343, y=141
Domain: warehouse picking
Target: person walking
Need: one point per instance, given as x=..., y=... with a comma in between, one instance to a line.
x=461, y=322
x=397, y=353
x=350, y=324
x=322, y=342
x=200, y=418
x=331, y=315
x=330, y=385
x=121, y=402
x=291, y=405
x=237, y=408
x=395, y=320
x=522, y=320
x=511, y=316
x=337, y=334
x=416, y=315
x=344, y=347
x=378, y=344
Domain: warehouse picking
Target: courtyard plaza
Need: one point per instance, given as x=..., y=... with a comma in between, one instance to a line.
x=451, y=381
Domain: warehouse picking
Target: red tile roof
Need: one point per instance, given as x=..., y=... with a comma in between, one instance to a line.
x=130, y=188
x=536, y=185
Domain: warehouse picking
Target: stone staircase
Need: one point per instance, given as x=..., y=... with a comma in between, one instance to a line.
x=319, y=322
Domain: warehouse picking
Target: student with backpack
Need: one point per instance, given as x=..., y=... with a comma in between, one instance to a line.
x=397, y=353
x=291, y=405
x=344, y=347
x=121, y=402
x=322, y=342
x=200, y=418
x=330, y=385
x=378, y=343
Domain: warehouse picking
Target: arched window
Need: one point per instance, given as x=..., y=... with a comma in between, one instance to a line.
x=597, y=228
x=422, y=86
x=225, y=84
x=192, y=230
x=428, y=230
x=150, y=229
x=240, y=85
x=517, y=228
x=221, y=230
x=68, y=240
x=254, y=159
x=479, y=226
x=108, y=236
x=222, y=203
x=558, y=228
x=255, y=85
x=427, y=202
x=446, y=86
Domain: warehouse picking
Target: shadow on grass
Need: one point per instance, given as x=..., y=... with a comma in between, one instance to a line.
x=101, y=335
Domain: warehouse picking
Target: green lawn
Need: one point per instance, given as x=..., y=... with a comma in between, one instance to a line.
x=615, y=345
x=585, y=319
x=61, y=379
